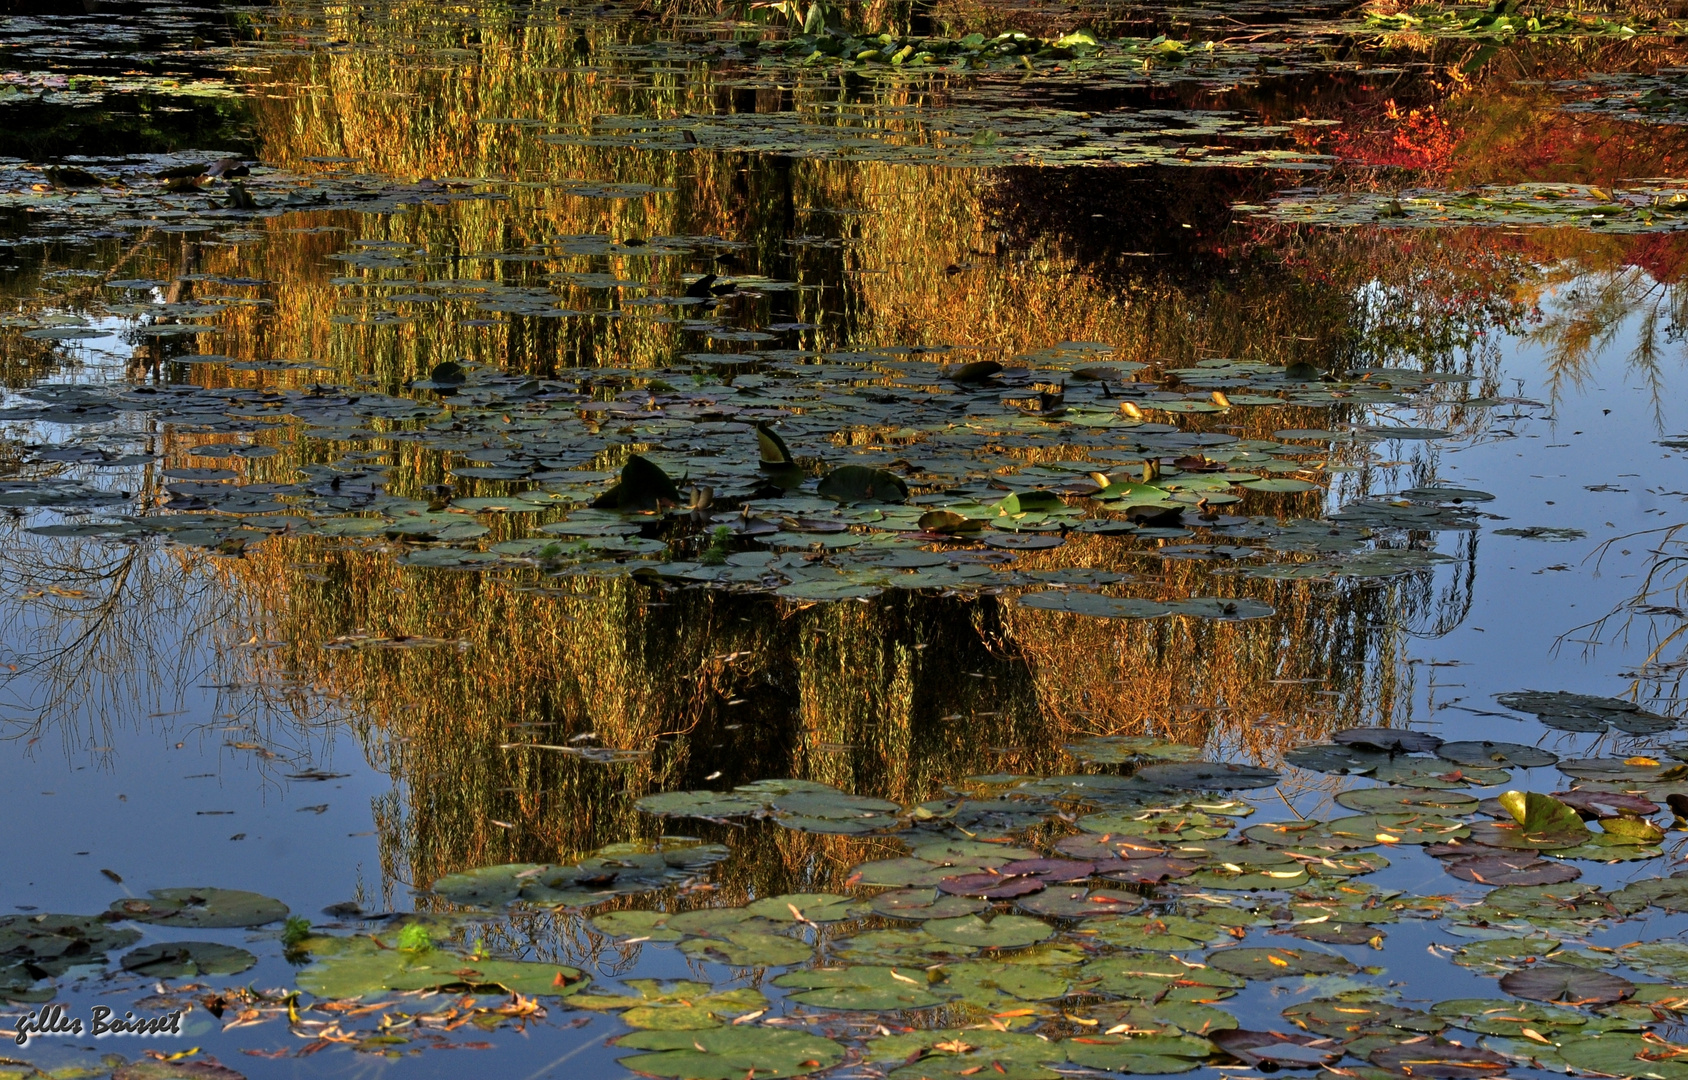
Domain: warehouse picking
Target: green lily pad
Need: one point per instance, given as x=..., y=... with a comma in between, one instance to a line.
x=202, y=908
x=1509, y=1018
x=651, y=925
x=1397, y=800
x=1001, y=932
x=1564, y=983
x=863, y=987
x=729, y=1053
x=854, y=484
x=350, y=967
x=1615, y=1053
x=185, y=959
x=952, y=1054
x=1174, y=933
x=1139, y=1054
x=1115, y=749
x=1257, y=963
x=807, y=907
x=1504, y=755
x=925, y=904
x=701, y=804
x=52, y=944
x=1345, y=1019
x=748, y=947
x=675, y=1006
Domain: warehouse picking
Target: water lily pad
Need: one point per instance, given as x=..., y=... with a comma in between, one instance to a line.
x=1174, y=933
x=1393, y=800
x=202, y=908
x=1519, y=869
x=1436, y=1057
x=863, y=987
x=1095, y=605
x=1346, y=1019
x=185, y=959
x=1001, y=932
x=1148, y=1055
x=984, y=984
x=701, y=804
x=748, y=947
x=807, y=907
x=1504, y=755
x=1500, y=1016
x=1624, y=1054
x=1389, y=740
x=675, y=1006
x=1278, y=1050
x=349, y=967
x=854, y=484
x=1079, y=903
x=729, y=1053
x=952, y=1054
x=1341, y=760
x=1257, y=963
x=1116, y=749
x=49, y=944
x=924, y=904
x=1570, y=985
x=1206, y=776
x=651, y=925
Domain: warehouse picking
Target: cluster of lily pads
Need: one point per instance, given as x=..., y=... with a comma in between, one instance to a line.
x=1113, y=941
x=730, y=473
x=1658, y=205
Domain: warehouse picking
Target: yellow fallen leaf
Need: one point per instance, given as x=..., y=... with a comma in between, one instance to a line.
x=1270, y=959
x=1385, y=838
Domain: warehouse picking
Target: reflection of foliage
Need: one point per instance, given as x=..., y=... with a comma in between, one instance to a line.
x=1659, y=604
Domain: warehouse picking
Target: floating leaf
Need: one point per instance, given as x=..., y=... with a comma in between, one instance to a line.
x=1571, y=985
x=186, y=959
x=202, y=908
x=729, y=1053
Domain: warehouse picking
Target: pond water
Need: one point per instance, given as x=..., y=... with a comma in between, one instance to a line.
x=957, y=540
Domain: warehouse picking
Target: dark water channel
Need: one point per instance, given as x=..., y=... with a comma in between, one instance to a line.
x=968, y=540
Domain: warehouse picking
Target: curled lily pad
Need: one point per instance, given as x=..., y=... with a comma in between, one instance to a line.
x=202, y=908
x=1389, y=740
x=184, y=959
x=1276, y=1049
x=1570, y=985
x=729, y=1053
x=852, y=484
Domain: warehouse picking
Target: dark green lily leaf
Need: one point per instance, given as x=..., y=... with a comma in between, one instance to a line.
x=774, y=453
x=1256, y=963
x=1148, y=1055
x=748, y=947
x=1206, y=776
x=729, y=1053
x=1158, y=978
x=1001, y=932
x=52, y=944
x=807, y=907
x=865, y=988
x=701, y=804
x=854, y=484
x=1505, y=755
x=1341, y=760
x=202, y=908
x=1525, y=868
x=1627, y=1055
x=1500, y=1016
x=984, y=984
x=650, y=925
x=1172, y=933
x=675, y=1006
x=1095, y=605
x=1079, y=903
x=1563, y=983
x=1115, y=749
x=186, y=959
x=1670, y=894
x=1436, y=1057
x=952, y=1054
x=924, y=904
x=1396, y=800
x=1346, y=1019
x=616, y=869
x=350, y=967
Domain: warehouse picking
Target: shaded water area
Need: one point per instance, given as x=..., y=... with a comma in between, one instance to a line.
x=1005, y=540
